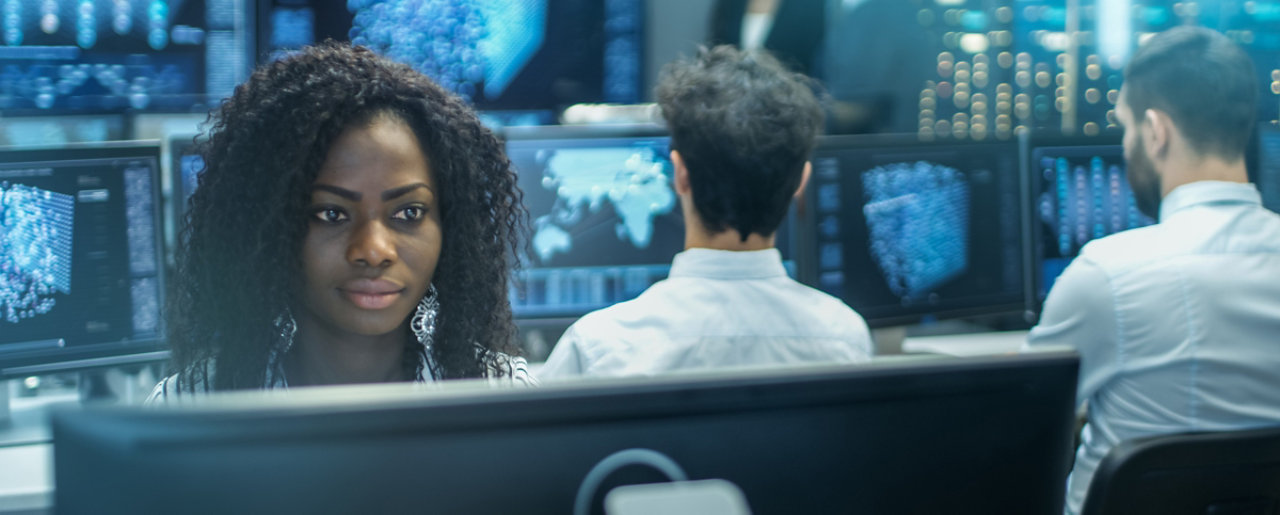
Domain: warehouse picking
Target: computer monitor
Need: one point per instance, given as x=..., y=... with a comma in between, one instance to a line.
x=184, y=167
x=34, y=131
x=605, y=218
x=63, y=57
x=904, y=230
x=499, y=54
x=1267, y=170
x=946, y=435
x=1079, y=192
x=81, y=276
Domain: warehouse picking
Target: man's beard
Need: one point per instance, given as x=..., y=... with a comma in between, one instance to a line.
x=1144, y=181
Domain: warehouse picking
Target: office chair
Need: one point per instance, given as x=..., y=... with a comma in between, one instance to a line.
x=1218, y=473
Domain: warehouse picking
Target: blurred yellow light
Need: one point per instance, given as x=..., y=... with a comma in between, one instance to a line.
x=1023, y=79
x=1093, y=71
x=1042, y=79
x=1004, y=59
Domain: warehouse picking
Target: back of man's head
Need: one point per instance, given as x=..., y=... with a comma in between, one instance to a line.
x=1203, y=81
x=744, y=126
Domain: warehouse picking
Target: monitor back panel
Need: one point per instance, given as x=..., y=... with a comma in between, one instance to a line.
x=978, y=436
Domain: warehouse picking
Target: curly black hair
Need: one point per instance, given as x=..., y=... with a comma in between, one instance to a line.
x=744, y=125
x=238, y=263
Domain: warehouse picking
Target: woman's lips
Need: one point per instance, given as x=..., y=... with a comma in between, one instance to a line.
x=371, y=293
x=371, y=300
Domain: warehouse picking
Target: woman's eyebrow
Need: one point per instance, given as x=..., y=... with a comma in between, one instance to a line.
x=403, y=190
x=353, y=196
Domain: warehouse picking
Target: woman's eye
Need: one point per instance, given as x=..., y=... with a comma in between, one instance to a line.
x=411, y=213
x=330, y=215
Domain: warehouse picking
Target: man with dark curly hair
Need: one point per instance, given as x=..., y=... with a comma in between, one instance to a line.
x=742, y=128
x=351, y=226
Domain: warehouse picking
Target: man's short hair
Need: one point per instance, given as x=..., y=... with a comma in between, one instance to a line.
x=1204, y=81
x=744, y=126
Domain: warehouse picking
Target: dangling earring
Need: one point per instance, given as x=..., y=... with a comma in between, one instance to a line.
x=286, y=328
x=423, y=326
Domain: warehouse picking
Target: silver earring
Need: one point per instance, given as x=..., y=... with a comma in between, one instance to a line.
x=423, y=325
x=286, y=328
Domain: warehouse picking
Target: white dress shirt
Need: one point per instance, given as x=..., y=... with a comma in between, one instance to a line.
x=715, y=309
x=1177, y=324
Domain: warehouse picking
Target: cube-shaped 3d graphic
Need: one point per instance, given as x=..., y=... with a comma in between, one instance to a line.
x=35, y=249
x=918, y=220
x=459, y=43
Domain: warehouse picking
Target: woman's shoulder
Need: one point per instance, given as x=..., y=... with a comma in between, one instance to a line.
x=503, y=368
x=194, y=380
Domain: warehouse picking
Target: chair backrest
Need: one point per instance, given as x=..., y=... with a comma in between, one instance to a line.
x=1218, y=473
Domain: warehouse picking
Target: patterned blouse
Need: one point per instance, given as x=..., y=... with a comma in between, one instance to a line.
x=502, y=369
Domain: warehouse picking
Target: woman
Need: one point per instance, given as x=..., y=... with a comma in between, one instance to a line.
x=352, y=225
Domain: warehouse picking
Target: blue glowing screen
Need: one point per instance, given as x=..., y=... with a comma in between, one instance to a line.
x=1080, y=193
x=61, y=56
x=904, y=230
x=497, y=54
x=79, y=250
x=606, y=222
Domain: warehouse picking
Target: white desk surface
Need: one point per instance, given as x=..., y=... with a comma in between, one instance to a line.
x=971, y=344
x=26, y=478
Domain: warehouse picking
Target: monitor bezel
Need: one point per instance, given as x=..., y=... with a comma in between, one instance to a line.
x=871, y=142
x=93, y=355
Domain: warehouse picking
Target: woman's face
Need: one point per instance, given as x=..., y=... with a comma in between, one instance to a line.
x=373, y=237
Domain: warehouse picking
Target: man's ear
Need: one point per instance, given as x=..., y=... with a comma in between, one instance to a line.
x=804, y=180
x=682, y=174
x=1159, y=129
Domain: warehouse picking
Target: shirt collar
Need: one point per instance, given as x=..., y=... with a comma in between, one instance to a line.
x=728, y=264
x=1208, y=192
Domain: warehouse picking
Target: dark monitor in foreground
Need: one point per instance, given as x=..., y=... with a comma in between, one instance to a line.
x=605, y=217
x=1079, y=193
x=980, y=435
x=903, y=230
x=80, y=246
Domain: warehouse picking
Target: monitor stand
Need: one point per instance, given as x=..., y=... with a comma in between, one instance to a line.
x=888, y=340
